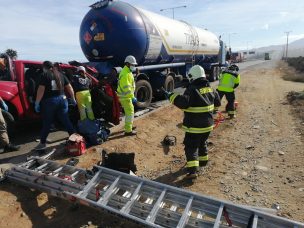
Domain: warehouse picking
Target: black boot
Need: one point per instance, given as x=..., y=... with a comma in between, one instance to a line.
x=203, y=163
x=11, y=147
x=131, y=133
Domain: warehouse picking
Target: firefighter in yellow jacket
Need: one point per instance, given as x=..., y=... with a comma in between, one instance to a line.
x=229, y=80
x=125, y=91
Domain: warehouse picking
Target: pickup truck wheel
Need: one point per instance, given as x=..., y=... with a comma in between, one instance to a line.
x=10, y=123
x=143, y=93
x=169, y=84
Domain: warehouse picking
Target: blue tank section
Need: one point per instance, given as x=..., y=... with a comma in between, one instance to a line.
x=112, y=32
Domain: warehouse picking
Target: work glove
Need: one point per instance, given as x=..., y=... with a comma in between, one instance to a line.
x=134, y=100
x=167, y=94
x=4, y=106
x=37, y=106
x=73, y=102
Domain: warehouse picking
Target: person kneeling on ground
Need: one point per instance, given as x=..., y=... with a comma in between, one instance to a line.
x=198, y=103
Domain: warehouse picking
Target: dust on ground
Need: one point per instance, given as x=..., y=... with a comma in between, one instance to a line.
x=256, y=159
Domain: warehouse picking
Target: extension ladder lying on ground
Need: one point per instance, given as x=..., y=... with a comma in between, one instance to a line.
x=148, y=203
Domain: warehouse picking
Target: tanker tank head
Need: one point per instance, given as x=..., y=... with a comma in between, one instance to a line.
x=101, y=3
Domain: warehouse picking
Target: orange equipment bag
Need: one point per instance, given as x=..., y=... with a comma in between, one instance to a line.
x=75, y=145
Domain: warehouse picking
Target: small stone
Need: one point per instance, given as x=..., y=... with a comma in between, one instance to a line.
x=244, y=174
x=90, y=223
x=275, y=206
x=301, y=189
x=256, y=127
x=22, y=214
x=249, y=147
x=281, y=152
x=261, y=168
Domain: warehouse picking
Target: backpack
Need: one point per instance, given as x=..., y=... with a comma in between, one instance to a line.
x=94, y=131
x=123, y=162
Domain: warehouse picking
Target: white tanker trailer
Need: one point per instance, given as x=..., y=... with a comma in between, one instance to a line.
x=164, y=48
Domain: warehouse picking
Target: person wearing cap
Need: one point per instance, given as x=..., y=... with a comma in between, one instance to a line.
x=81, y=84
x=197, y=102
x=125, y=92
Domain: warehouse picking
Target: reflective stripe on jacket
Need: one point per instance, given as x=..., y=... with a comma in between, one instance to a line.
x=197, y=102
x=126, y=84
x=228, y=81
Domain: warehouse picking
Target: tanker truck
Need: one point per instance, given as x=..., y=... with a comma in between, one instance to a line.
x=165, y=49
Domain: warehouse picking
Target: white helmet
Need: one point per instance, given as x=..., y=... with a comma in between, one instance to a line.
x=196, y=72
x=81, y=68
x=131, y=59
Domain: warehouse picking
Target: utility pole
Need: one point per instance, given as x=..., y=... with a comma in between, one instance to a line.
x=287, y=35
x=233, y=33
x=173, y=8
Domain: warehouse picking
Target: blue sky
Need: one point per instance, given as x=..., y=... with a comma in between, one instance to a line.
x=48, y=29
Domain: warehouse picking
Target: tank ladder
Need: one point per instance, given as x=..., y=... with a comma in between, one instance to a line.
x=194, y=40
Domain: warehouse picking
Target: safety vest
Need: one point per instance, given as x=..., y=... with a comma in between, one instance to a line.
x=126, y=84
x=228, y=81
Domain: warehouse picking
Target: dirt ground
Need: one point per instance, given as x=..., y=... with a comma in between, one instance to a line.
x=256, y=159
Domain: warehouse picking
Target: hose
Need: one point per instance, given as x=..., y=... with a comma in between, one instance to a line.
x=218, y=120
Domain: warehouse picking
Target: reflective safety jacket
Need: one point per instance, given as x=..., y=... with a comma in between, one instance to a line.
x=228, y=81
x=126, y=84
x=198, y=103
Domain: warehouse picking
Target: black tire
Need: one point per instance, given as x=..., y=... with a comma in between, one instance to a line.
x=218, y=71
x=143, y=93
x=10, y=123
x=212, y=76
x=169, y=84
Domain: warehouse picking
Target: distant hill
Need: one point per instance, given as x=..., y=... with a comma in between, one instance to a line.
x=295, y=49
x=297, y=44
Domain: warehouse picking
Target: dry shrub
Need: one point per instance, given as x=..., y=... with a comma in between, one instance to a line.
x=290, y=73
x=297, y=63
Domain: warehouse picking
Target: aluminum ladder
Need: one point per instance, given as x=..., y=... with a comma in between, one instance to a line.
x=148, y=203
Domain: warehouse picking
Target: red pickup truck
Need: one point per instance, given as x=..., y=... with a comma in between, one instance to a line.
x=18, y=85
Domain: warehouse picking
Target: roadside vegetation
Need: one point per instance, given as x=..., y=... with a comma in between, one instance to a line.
x=293, y=69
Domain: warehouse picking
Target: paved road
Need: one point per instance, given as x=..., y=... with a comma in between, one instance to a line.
x=28, y=136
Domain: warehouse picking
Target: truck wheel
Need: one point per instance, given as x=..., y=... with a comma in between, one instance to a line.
x=169, y=84
x=212, y=77
x=143, y=93
x=10, y=123
x=218, y=71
